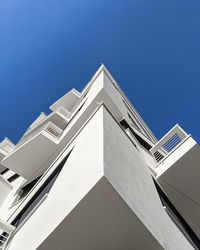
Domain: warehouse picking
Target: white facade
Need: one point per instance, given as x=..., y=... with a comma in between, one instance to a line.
x=92, y=176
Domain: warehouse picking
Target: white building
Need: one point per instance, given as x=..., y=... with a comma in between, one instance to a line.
x=92, y=176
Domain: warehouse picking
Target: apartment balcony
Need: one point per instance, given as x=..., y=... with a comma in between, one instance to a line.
x=37, y=121
x=29, y=158
x=6, y=147
x=60, y=118
x=5, y=231
x=64, y=113
x=68, y=101
x=177, y=157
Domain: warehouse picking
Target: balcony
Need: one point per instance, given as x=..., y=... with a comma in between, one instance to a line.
x=177, y=158
x=6, y=147
x=63, y=113
x=5, y=231
x=68, y=101
x=29, y=157
x=60, y=118
x=163, y=148
x=37, y=121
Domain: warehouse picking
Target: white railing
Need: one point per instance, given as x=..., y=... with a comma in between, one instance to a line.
x=5, y=232
x=168, y=143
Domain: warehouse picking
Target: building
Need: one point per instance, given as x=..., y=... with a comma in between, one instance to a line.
x=92, y=176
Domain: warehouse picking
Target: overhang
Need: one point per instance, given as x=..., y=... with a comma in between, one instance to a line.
x=29, y=159
x=102, y=220
x=179, y=175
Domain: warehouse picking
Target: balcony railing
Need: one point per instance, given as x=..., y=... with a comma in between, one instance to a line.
x=5, y=232
x=168, y=143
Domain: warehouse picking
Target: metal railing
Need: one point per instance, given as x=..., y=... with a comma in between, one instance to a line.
x=168, y=143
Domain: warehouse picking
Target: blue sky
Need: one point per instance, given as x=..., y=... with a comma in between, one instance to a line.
x=151, y=47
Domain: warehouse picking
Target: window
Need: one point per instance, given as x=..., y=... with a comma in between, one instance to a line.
x=134, y=123
x=132, y=112
x=4, y=171
x=45, y=188
x=125, y=125
x=26, y=189
x=85, y=93
x=81, y=107
x=13, y=177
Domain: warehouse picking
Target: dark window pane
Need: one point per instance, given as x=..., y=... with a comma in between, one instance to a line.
x=134, y=123
x=137, y=119
x=4, y=171
x=13, y=177
x=26, y=189
x=125, y=125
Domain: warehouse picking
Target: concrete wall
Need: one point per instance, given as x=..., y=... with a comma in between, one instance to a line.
x=81, y=172
x=101, y=149
x=5, y=188
x=126, y=170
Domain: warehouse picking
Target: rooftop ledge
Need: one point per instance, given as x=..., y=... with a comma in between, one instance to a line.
x=28, y=160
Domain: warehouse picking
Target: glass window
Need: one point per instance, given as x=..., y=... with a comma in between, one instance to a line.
x=142, y=142
x=4, y=171
x=13, y=177
x=134, y=123
x=26, y=189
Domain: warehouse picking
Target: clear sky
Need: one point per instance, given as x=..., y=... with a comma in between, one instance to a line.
x=151, y=47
